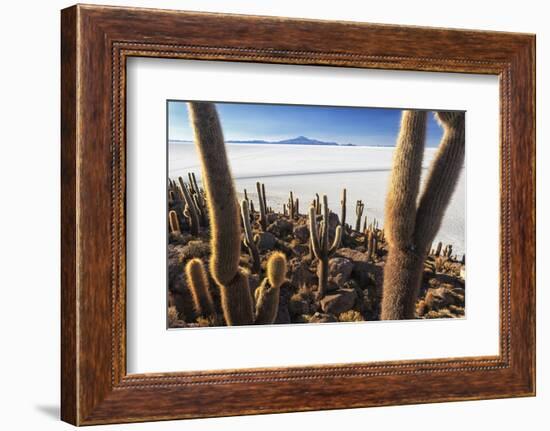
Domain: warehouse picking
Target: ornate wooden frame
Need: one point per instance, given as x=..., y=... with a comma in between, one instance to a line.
x=96, y=41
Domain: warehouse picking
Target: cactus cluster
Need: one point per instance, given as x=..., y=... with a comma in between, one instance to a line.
x=240, y=277
x=232, y=280
x=190, y=202
x=410, y=226
x=293, y=206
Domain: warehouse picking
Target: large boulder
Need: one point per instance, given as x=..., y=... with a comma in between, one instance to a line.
x=280, y=227
x=339, y=270
x=301, y=233
x=339, y=301
x=300, y=273
x=443, y=297
x=265, y=241
x=366, y=273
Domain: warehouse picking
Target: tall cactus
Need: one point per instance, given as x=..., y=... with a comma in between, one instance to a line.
x=249, y=238
x=343, y=203
x=291, y=205
x=359, y=207
x=317, y=204
x=268, y=293
x=197, y=280
x=223, y=213
x=263, y=210
x=410, y=228
x=191, y=207
x=320, y=243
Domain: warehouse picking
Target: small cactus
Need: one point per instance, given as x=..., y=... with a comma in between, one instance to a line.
x=191, y=207
x=317, y=204
x=249, y=238
x=359, y=207
x=343, y=210
x=320, y=243
x=197, y=280
x=267, y=294
x=263, y=210
x=371, y=245
x=174, y=222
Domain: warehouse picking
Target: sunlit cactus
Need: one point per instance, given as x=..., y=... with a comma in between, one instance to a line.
x=191, y=207
x=410, y=226
x=224, y=215
x=268, y=293
x=249, y=238
x=197, y=279
x=174, y=222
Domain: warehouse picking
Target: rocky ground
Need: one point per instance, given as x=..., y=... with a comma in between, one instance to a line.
x=355, y=281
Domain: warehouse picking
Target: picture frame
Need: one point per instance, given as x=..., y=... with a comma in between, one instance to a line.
x=96, y=42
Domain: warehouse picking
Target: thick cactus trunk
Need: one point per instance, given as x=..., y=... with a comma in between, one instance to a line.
x=236, y=300
x=322, y=274
x=223, y=211
x=402, y=276
x=410, y=229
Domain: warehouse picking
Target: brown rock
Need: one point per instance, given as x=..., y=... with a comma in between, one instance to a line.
x=323, y=318
x=338, y=302
x=265, y=241
x=280, y=227
x=339, y=269
x=301, y=233
x=367, y=274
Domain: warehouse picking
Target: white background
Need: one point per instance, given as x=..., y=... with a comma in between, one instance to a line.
x=29, y=228
x=153, y=349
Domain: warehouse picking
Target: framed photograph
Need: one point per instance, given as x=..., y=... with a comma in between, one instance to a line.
x=322, y=214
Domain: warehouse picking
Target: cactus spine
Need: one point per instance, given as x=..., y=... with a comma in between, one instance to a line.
x=223, y=213
x=268, y=293
x=249, y=238
x=199, y=286
x=320, y=243
x=410, y=228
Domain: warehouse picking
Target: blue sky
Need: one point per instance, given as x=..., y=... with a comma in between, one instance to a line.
x=244, y=121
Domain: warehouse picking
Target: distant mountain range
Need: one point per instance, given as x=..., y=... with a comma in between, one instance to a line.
x=299, y=140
